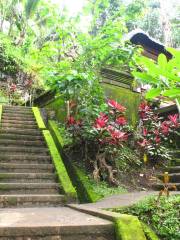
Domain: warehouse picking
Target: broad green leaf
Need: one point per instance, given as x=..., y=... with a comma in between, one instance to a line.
x=162, y=61
x=154, y=92
x=173, y=93
x=145, y=77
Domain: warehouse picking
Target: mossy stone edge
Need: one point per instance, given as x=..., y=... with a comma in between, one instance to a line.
x=38, y=118
x=79, y=179
x=62, y=174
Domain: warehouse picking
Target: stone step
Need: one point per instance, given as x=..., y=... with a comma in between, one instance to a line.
x=53, y=224
x=17, y=111
x=18, y=137
x=20, y=122
x=8, y=142
x=23, y=110
x=175, y=169
x=27, y=177
x=173, y=177
x=159, y=186
x=16, y=108
x=20, y=118
x=25, y=159
x=26, y=168
x=29, y=188
x=20, y=132
x=24, y=201
x=18, y=114
x=19, y=126
x=18, y=149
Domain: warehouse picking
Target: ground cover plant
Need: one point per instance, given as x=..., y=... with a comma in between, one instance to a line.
x=162, y=216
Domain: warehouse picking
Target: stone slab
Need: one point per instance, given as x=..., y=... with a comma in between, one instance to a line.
x=53, y=221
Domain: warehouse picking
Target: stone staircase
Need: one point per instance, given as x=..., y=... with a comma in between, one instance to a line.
x=31, y=200
x=27, y=176
x=173, y=170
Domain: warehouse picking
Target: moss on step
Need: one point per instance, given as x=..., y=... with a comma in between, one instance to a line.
x=79, y=179
x=85, y=189
x=1, y=109
x=53, y=127
x=59, y=166
x=128, y=227
x=12, y=201
x=38, y=118
x=150, y=234
x=58, y=106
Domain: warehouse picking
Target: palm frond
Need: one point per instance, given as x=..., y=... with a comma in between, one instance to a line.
x=30, y=7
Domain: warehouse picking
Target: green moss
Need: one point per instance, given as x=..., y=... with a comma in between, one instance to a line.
x=63, y=177
x=57, y=105
x=126, y=97
x=3, y=175
x=38, y=118
x=163, y=217
x=12, y=201
x=4, y=187
x=78, y=177
x=1, y=112
x=150, y=234
x=128, y=227
x=86, y=191
x=53, y=127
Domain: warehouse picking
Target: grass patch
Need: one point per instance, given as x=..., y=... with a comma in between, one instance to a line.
x=162, y=217
x=103, y=190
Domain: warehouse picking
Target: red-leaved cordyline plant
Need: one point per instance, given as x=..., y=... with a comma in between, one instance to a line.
x=111, y=127
x=155, y=132
x=108, y=132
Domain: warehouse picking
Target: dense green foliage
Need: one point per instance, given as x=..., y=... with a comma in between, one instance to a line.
x=163, y=77
x=162, y=216
x=43, y=40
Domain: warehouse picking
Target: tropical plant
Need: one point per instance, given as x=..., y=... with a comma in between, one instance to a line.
x=163, y=76
x=155, y=133
x=103, y=136
x=162, y=217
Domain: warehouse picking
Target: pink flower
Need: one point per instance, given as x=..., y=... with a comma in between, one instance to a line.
x=101, y=121
x=174, y=119
x=157, y=139
x=121, y=121
x=165, y=128
x=110, y=129
x=116, y=134
x=145, y=132
x=71, y=121
x=116, y=105
x=144, y=107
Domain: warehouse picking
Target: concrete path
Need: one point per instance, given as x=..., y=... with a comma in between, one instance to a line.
x=60, y=221
x=123, y=200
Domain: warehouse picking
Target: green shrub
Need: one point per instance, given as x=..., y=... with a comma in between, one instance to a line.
x=163, y=217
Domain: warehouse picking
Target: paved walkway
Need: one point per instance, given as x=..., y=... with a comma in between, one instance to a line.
x=123, y=200
x=52, y=221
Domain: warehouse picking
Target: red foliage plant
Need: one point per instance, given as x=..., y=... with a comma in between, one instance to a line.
x=154, y=131
x=111, y=127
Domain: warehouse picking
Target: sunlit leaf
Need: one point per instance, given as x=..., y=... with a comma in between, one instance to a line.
x=155, y=92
